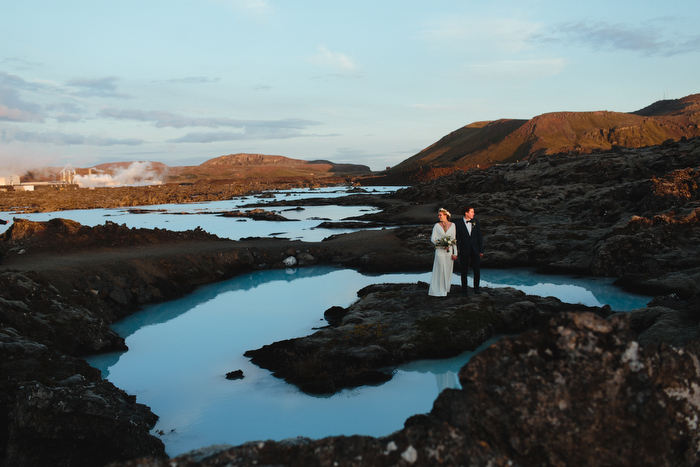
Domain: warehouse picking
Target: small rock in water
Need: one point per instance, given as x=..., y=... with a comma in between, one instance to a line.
x=238, y=374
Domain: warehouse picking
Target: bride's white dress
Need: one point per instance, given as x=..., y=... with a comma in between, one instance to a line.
x=441, y=278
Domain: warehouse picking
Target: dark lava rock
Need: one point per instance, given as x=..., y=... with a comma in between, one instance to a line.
x=667, y=320
x=57, y=410
x=237, y=374
x=62, y=235
x=74, y=324
x=257, y=214
x=579, y=390
x=395, y=323
x=334, y=315
x=350, y=225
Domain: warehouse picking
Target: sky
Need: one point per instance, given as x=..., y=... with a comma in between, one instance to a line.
x=363, y=82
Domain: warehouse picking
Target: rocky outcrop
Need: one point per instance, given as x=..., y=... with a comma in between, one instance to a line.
x=578, y=390
x=396, y=323
x=667, y=320
x=56, y=410
x=67, y=235
x=392, y=324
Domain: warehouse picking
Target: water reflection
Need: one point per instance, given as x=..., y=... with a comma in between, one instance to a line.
x=180, y=352
x=591, y=291
x=444, y=370
x=163, y=312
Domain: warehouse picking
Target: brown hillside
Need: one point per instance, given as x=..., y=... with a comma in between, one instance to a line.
x=584, y=132
x=238, y=167
x=474, y=138
x=252, y=159
x=248, y=172
x=687, y=104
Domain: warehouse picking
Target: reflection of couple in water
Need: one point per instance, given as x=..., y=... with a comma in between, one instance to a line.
x=461, y=240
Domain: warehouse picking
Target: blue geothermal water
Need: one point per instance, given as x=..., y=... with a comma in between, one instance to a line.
x=180, y=351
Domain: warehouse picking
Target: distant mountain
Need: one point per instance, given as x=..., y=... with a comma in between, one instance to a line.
x=265, y=160
x=504, y=140
x=252, y=159
x=239, y=167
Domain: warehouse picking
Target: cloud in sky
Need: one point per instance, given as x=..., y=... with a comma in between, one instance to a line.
x=163, y=119
x=100, y=87
x=653, y=38
x=19, y=63
x=190, y=80
x=67, y=112
x=334, y=60
x=14, y=109
x=17, y=82
x=64, y=139
x=252, y=130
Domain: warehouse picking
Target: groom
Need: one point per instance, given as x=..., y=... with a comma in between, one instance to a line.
x=470, y=247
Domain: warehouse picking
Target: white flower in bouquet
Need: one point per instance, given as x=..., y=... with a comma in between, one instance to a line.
x=445, y=242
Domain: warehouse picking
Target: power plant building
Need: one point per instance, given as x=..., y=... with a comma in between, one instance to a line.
x=9, y=179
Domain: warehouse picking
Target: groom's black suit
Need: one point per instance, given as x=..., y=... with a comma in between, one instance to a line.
x=469, y=248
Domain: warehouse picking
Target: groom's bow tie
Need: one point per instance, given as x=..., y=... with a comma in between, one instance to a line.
x=469, y=222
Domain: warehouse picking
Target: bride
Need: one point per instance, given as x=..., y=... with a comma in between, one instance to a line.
x=443, y=237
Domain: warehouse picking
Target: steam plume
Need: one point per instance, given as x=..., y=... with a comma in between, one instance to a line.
x=136, y=174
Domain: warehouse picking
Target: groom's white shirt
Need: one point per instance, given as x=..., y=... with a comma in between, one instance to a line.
x=468, y=225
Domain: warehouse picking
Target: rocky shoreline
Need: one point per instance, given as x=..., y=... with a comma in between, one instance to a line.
x=579, y=390
x=585, y=385
x=392, y=324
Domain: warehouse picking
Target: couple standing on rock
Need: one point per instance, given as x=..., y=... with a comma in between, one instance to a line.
x=462, y=239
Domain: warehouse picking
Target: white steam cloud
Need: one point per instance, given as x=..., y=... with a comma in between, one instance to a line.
x=136, y=174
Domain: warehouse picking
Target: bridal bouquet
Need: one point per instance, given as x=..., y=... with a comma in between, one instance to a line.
x=445, y=242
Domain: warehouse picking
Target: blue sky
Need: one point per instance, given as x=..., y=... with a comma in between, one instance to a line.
x=365, y=82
